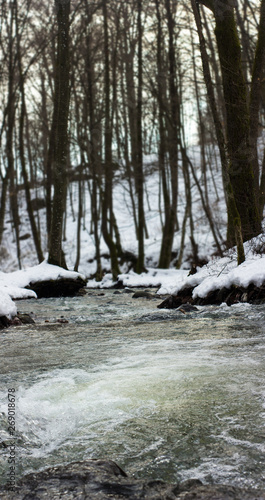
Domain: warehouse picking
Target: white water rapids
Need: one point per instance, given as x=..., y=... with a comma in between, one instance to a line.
x=165, y=395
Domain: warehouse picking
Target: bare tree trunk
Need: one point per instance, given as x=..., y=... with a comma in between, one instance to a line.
x=61, y=107
x=255, y=100
x=165, y=255
x=9, y=133
x=173, y=146
x=107, y=197
x=234, y=220
x=93, y=155
x=126, y=157
x=241, y=172
x=34, y=228
x=3, y=204
x=79, y=220
x=139, y=171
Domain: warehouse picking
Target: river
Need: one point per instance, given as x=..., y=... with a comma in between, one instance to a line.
x=166, y=395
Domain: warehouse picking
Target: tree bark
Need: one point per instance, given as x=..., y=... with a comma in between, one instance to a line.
x=139, y=171
x=234, y=221
x=33, y=224
x=61, y=107
x=107, y=196
x=173, y=126
x=240, y=168
x=93, y=147
x=255, y=100
x=11, y=111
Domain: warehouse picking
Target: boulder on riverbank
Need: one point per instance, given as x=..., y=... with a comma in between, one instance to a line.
x=60, y=287
x=233, y=295
x=103, y=479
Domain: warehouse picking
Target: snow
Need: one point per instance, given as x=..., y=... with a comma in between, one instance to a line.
x=218, y=273
x=7, y=306
x=124, y=216
x=243, y=275
x=12, y=285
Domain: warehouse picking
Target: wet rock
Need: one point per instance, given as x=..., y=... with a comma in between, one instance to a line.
x=171, y=302
x=184, y=296
x=233, y=295
x=25, y=318
x=103, y=479
x=221, y=295
x=187, y=308
x=256, y=295
x=62, y=320
x=143, y=294
x=4, y=322
x=15, y=321
x=220, y=492
x=153, y=317
x=118, y=284
x=62, y=287
x=4, y=444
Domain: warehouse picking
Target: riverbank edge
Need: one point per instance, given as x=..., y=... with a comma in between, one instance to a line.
x=69, y=287
x=60, y=287
x=251, y=294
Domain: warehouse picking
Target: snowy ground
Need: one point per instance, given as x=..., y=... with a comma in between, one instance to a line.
x=124, y=216
x=217, y=273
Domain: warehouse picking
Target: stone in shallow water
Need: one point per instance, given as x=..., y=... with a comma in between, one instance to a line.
x=25, y=318
x=187, y=308
x=103, y=480
x=143, y=294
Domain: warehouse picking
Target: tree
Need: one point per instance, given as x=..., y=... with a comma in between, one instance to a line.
x=107, y=196
x=60, y=118
x=139, y=162
x=234, y=220
x=33, y=224
x=173, y=130
x=11, y=115
x=240, y=150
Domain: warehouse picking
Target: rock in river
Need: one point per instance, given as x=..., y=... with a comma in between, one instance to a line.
x=187, y=308
x=103, y=480
x=143, y=294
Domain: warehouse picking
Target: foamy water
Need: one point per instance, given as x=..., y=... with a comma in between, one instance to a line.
x=165, y=395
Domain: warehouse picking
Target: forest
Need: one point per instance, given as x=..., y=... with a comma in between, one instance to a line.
x=132, y=249
x=90, y=89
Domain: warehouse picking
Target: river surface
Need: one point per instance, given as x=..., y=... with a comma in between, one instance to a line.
x=166, y=395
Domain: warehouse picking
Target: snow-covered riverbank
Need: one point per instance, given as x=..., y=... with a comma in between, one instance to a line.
x=217, y=274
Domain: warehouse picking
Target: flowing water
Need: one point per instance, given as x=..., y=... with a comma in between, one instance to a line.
x=166, y=395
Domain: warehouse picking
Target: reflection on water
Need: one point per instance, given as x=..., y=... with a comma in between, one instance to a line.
x=166, y=395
